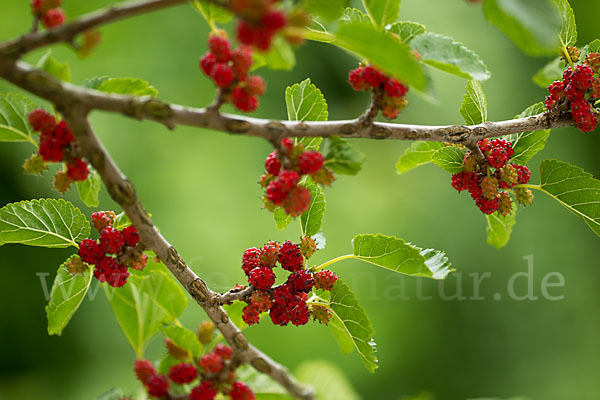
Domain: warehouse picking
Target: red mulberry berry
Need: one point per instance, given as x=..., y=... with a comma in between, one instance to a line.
x=582, y=77
x=593, y=60
x=300, y=281
x=269, y=254
x=222, y=75
x=105, y=269
x=484, y=146
x=324, y=280
x=240, y=391
x=130, y=236
x=102, y=219
x=157, y=385
x=299, y=313
x=204, y=391
x=243, y=100
x=90, y=251
x=62, y=133
x=255, y=85
x=225, y=352
x=273, y=20
x=220, y=47
x=242, y=61
x=287, y=144
x=118, y=277
x=144, y=370
x=251, y=259
x=282, y=294
x=246, y=33
x=262, y=278
x=42, y=121
x=207, y=62
x=488, y=206
x=357, y=80
x=276, y=192
x=51, y=150
x=138, y=262
x=211, y=363
x=462, y=180
x=373, y=77
x=297, y=201
x=183, y=373
x=279, y=314
x=498, y=158
x=290, y=257
x=523, y=172
x=77, y=170
x=310, y=162
x=250, y=315
x=261, y=300
x=111, y=240
x=288, y=178
x=53, y=18
x=393, y=88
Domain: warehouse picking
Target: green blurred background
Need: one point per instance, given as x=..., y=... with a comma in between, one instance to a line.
x=201, y=189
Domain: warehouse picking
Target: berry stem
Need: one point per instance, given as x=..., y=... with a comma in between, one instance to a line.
x=566, y=53
x=333, y=261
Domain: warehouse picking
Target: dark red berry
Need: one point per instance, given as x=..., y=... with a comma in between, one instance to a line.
x=251, y=259
x=144, y=370
x=62, y=133
x=102, y=219
x=242, y=61
x=324, y=279
x=207, y=62
x=299, y=313
x=42, y=121
x=90, y=251
x=243, y=100
x=273, y=20
x=51, y=150
x=279, y=314
x=53, y=18
x=240, y=391
x=220, y=47
x=262, y=278
x=310, y=162
x=204, y=391
x=290, y=257
x=269, y=254
x=119, y=276
x=105, y=269
x=261, y=300
x=300, y=281
x=77, y=170
x=130, y=236
x=297, y=201
x=211, y=363
x=250, y=315
x=157, y=385
x=111, y=240
x=272, y=164
x=393, y=88
x=255, y=85
x=222, y=75
x=373, y=77
x=225, y=352
x=183, y=373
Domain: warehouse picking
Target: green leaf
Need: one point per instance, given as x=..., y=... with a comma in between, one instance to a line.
x=449, y=158
x=594, y=46
x=263, y=386
x=66, y=296
x=328, y=381
x=211, y=12
x=328, y=10
x=342, y=157
x=450, y=56
x=382, y=12
x=305, y=102
x=351, y=326
x=568, y=32
x=132, y=86
x=419, y=153
x=45, y=223
x=112, y=394
x=90, y=189
x=355, y=15
x=528, y=144
x=312, y=219
x=14, y=118
x=281, y=55
x=310, y=143
x=121, y=221
x=533, y=25
x=396, y=255
x=551, y=72
x=56, y=69
x=384, y=50
x=499, y=228
x=575, y=189
x=184, y=338
x=407, y=30
x=148, y=300
x=282, y=220
x=474, y=105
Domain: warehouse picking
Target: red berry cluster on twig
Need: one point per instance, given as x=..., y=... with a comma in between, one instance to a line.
x=282, y=183
x=57, y=145
x=487, y=182
x=210, y=375
x=229, y=71
x=389, y=94
x=114, y=253
x=579, y=87
x=286, y=302
x=49, y=12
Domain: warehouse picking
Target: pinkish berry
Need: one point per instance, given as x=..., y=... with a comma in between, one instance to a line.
x=324, y=280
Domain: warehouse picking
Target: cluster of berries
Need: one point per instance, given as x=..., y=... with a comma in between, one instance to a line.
x=579, y=86
x=48, y=12
x=487, y=182
x=205, y=371
x=282, y=188
x=114, y=252
x=286, y=302
x=56, y=145
x=388, y=93
x=229, y=71
x=260, y=22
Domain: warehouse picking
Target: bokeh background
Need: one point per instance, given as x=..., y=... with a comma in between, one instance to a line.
x=201, y=188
